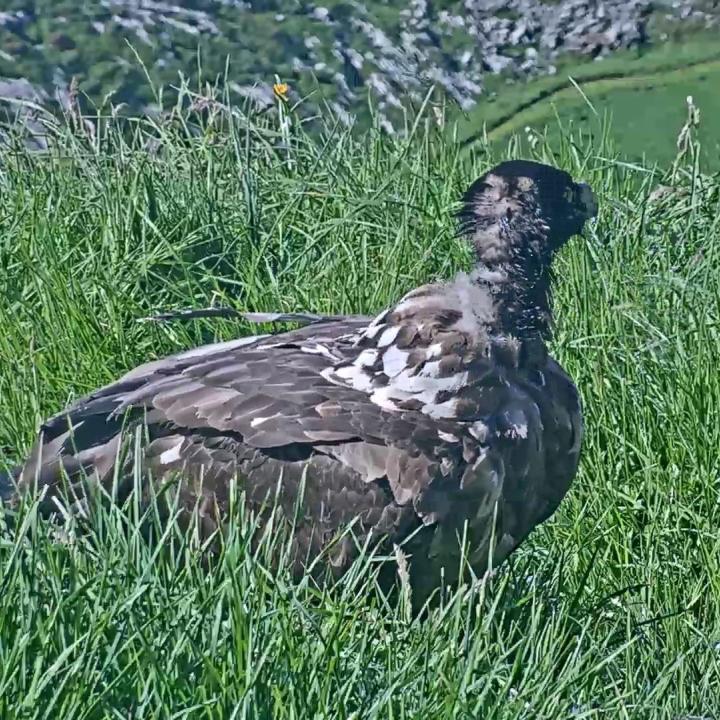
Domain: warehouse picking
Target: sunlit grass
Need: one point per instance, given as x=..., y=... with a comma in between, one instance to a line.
x=643, y=92
x=609, y=611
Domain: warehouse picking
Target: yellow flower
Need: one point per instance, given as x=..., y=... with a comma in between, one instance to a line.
x=281, y=90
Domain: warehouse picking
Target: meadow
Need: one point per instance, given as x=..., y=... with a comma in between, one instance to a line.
x=610, y=610
x=641, y=93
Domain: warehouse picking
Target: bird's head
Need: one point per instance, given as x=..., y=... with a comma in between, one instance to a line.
x=523, y=211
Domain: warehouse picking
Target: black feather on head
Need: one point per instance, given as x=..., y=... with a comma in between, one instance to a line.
x=522, y=207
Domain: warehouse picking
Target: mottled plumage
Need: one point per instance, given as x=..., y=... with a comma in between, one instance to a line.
x=443, y=415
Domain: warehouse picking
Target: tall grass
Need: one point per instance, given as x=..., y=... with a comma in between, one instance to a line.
x=611, y=610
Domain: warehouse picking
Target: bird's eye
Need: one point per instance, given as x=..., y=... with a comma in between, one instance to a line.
x=569, y=195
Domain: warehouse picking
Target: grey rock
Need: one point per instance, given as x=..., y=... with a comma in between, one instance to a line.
x=455, y=48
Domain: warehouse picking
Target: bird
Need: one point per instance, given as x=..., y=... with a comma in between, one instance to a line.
x=442, y=418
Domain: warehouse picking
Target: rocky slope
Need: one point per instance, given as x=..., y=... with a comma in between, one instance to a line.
x=342, y=51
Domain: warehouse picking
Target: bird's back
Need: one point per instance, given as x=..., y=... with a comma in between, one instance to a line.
x=423, y=420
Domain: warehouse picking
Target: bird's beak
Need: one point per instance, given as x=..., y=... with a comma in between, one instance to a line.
x=587, y=201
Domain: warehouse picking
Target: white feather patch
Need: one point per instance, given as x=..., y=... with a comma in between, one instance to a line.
x=417, y=383
x=487, y=275
x=258, y=421
x=318, y=349
x=394, y=361
x=478, y=430
x=366, y=358
x=382, y=398
x=350, y=375
x=171, y=454
x=371, y=331
x=388, y=336
x=448, y=437
x=434, y=350
x=430, y=369
x=447, y=409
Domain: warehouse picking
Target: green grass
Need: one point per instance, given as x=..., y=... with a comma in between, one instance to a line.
x=610, y=610
x=643, y=93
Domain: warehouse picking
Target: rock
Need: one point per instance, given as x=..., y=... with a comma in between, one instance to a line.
x=455, y=47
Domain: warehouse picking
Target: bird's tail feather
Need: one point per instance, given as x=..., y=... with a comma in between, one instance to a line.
x=254, y=317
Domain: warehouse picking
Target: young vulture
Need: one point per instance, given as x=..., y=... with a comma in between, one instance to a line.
x=442, y=417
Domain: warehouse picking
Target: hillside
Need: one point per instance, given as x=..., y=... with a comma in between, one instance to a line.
x=343, y=53
x=608, y=611
x=635, y=97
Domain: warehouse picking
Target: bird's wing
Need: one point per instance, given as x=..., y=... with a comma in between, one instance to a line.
x=511, y=411
x=269, y=393
x=423, y=398
x=561, y=414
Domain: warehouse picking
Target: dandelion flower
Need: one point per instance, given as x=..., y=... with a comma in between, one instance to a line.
x=281, y=90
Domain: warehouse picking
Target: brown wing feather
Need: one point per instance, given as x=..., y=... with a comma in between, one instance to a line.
x=422, y=417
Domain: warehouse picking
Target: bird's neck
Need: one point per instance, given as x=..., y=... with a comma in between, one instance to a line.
x=510, y=266
x=521, y=297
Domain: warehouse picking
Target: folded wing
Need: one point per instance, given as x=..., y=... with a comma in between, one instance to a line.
x=418, y=421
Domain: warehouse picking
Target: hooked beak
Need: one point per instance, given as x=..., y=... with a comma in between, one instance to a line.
x=587, y=201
